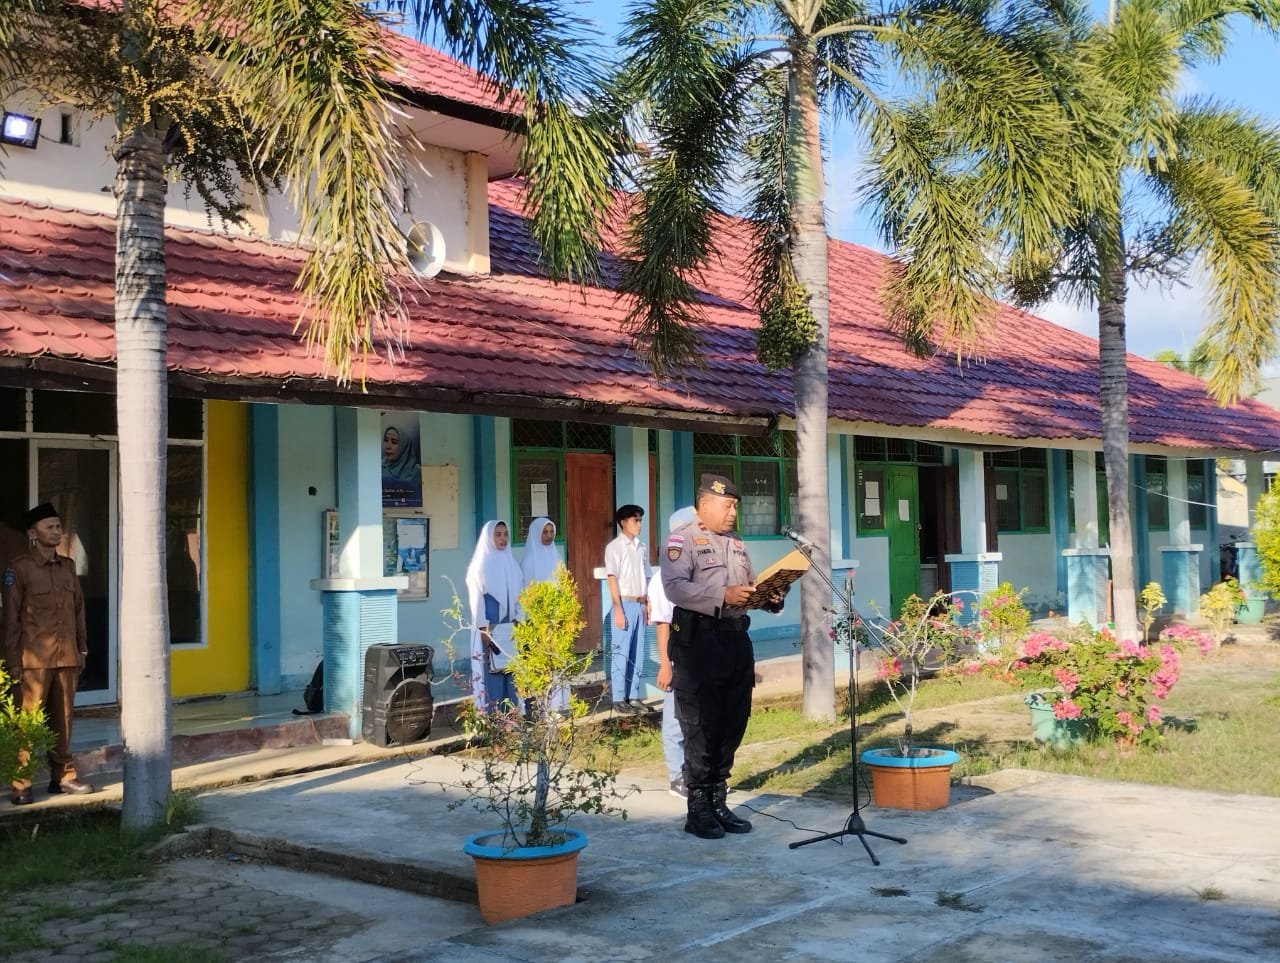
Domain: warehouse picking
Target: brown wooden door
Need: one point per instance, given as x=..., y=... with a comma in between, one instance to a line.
x=588, y=501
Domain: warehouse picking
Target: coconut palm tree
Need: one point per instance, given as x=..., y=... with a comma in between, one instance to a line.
x=965, y=137
x=1199, y=182
x=276, y=92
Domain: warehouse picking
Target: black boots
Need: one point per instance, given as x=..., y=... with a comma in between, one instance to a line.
x=723, y=814
x=709, y=817
x=702, y=821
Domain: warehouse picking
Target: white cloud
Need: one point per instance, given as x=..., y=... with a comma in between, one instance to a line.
x=1156, y=318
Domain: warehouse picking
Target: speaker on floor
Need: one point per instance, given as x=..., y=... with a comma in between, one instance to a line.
x=396, y=706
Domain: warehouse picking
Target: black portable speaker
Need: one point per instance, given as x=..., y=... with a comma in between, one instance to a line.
x=396, y=706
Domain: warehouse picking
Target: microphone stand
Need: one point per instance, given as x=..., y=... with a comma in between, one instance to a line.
x=844, y=623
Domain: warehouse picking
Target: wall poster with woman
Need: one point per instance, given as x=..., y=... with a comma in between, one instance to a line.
x=401, y=460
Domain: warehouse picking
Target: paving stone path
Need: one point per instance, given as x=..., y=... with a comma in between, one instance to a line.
x=196, y=917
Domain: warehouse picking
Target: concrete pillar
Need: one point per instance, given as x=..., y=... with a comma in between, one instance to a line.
x=1180, y=560
x=836, y=488
x=1255, y=484
x=973, y=503
x=264, y=467
x=1180, y=578
x=631, y=468
x=1088, y=578
x=973, y=569
x=359, y=604
x=1179, y=515
x=1086, y=509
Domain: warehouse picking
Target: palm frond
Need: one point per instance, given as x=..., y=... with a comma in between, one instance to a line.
x=541, y=57
x=994, y=160
x=1141, y=58
x=1204, y=26
x=1233, y=227
x=689, y=73
x=309, y=77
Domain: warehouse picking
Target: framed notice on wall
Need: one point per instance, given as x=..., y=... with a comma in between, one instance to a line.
x=330, y=545
x=406, y=550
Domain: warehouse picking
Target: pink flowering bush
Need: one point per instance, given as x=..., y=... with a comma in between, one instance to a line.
x=1115, y=686
x=1184, y=635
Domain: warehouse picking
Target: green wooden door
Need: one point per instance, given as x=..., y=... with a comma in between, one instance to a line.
x=902, y=522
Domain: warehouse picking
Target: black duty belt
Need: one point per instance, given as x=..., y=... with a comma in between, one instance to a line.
x=732, y=623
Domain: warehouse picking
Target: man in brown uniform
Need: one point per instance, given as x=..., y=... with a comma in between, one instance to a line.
x=45, y=643
x=707, y=575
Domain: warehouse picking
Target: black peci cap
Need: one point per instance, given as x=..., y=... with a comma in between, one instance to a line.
x=40, y=513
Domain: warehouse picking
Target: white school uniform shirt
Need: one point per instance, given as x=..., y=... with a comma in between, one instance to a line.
x=660, y=607
x=627, y=560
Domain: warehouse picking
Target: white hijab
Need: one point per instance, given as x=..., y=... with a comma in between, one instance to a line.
x=539, y=562
x=493, y=571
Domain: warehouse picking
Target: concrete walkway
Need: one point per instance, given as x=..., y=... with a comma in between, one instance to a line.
x=1047, y=868
x=1028, y=867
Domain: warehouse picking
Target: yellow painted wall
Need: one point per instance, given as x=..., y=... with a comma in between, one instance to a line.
x=222, y=663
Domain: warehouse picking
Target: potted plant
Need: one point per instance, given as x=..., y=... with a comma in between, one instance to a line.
x=925, y=638
x=529, y=770
x=19, y=729
x=1092, y=685
x=1221, y=604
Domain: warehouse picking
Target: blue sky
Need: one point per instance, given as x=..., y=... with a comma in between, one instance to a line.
x=1248, y=78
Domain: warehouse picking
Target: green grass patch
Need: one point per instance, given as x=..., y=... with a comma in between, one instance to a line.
x=189, y=951
x=88, y=845
x=1222, y=733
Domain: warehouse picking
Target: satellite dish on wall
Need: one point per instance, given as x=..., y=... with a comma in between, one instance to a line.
x=425, y=245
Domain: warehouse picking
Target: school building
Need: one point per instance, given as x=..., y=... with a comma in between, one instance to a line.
x=305, y=517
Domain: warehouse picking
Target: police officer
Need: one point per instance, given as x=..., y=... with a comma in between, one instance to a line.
x=707, y=575
x=45, y=644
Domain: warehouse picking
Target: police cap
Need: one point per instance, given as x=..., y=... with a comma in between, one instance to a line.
x=718, y=485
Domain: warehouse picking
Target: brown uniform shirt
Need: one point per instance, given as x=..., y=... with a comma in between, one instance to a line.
x=699, y=565
x=43, y=614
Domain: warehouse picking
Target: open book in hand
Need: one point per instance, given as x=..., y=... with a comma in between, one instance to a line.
x=777, y=578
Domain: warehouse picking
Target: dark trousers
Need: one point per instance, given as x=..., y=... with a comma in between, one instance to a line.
x=713, y=682
x=55, y=689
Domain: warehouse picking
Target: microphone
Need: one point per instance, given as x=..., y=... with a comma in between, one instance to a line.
x=799, y=539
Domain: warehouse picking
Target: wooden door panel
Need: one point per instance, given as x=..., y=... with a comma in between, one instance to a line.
x=588, y=503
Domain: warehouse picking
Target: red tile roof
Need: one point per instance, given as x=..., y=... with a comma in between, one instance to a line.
x=425, y=71
x=514, y=340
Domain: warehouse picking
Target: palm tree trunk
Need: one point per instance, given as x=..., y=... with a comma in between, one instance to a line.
x=142, y=412
x=809, y=257
x=1113, y=382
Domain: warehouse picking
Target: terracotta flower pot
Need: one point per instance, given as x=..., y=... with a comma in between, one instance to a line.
x=517, y=882
x=920, y=781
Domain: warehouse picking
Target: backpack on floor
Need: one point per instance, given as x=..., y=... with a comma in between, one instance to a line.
x=313, y=694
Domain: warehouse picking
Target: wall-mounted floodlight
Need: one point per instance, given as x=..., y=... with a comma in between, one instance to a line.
x=20, y=130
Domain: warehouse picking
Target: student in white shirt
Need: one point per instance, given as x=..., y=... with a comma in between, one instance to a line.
x=626, y=564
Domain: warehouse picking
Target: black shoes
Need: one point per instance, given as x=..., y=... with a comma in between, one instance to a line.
x=630, y=706
x=72, y=787
x=22, y=797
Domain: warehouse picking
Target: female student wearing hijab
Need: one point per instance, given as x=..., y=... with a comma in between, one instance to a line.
x=494, y=581
x=541, y=554
x=539, y=563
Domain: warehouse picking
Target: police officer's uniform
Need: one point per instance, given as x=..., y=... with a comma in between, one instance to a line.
x=714, y=662
x=44, y=645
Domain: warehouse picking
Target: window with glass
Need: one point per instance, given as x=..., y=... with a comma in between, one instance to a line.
x=1020, y=482
x=764, y=470
x=537, y=467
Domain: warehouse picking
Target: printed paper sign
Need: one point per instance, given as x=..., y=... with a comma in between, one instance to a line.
x=904, y=509
x=538, y=499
